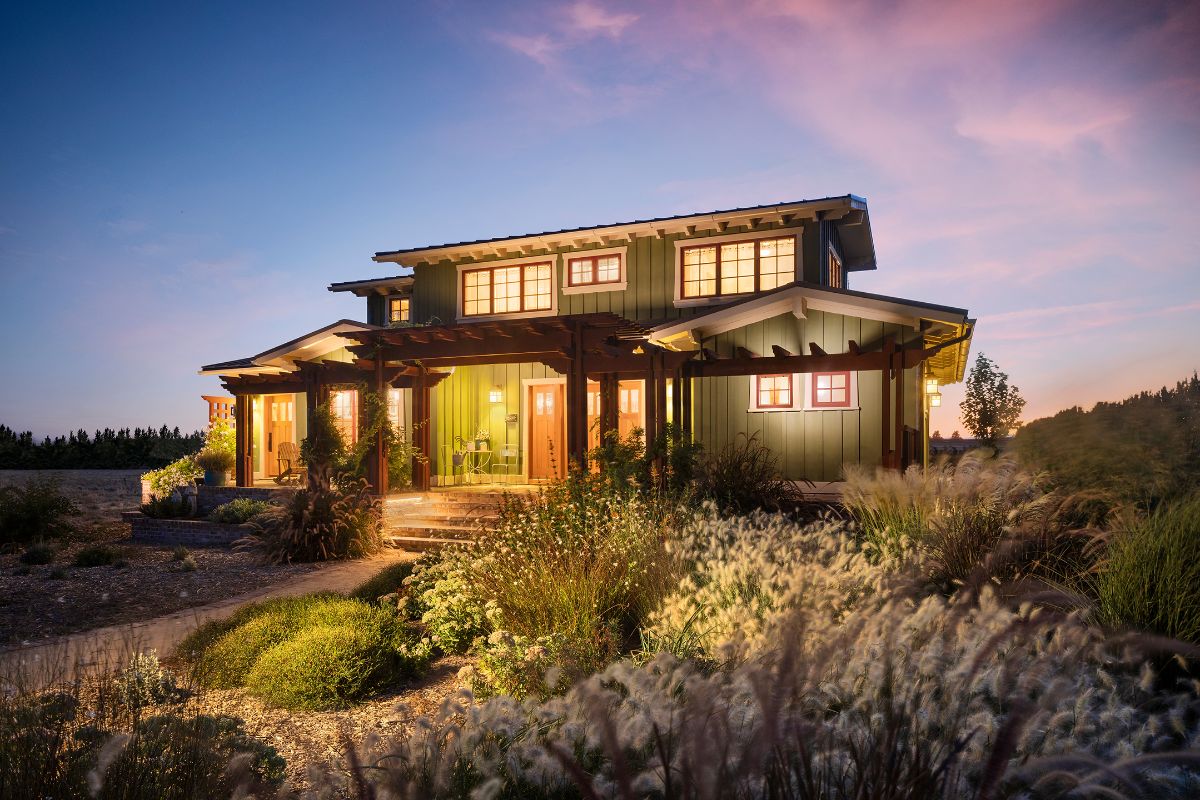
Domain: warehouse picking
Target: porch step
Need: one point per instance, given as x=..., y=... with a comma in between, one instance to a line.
x=418, y=544
x=444, y=516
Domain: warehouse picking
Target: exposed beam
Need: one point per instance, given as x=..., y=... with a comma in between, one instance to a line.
x=780, y=352
x=815, y=349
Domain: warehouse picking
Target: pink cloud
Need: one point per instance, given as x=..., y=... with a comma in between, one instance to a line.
x=539, y=48
x=589, y=19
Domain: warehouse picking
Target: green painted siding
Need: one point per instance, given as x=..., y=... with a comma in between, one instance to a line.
x=810, y=444
x=460, y=407
x=650, y=274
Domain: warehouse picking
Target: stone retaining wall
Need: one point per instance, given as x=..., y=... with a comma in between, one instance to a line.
x=187, y=532
x=212, y=496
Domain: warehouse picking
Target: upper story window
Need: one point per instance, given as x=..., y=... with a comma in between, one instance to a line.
x=731, y=268
x=399, y=309
x=774, y=391
x=590, y=270
x=836, y=276
x=507, y=290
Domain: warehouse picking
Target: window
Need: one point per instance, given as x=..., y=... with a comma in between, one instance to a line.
x=836, y=278
x=507, y=290
x=590, y=270
x=830, y=390
x=344, y=405
x=737, y=267
x=398, y=309
x=774, y=391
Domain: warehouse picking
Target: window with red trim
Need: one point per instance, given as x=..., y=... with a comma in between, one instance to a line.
x=711, y=270
x=774, y=391
x=591, y=270
x=830, y=389
x=505, y=290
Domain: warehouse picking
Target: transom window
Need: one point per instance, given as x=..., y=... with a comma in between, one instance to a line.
x=737, y=267
x=774, y=391
x=830, y=390
x=590, y=270
x=506, y=290
x=398, y=309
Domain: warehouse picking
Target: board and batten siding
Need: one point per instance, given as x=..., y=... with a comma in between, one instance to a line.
x=810, y=445
x=650, y=274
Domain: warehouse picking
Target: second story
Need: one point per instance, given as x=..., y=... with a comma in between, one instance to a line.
x=648, y=271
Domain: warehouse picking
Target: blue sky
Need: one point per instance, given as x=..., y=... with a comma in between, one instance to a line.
x=179, y=184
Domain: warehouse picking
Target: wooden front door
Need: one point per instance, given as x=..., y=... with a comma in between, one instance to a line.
x=546, y=456
x=279, y=415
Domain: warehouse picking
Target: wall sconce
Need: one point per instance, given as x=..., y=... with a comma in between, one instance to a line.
x=931, y=386
x=935, y=399
x=495, y=395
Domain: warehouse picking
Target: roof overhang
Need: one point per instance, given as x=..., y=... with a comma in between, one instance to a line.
x=847, y=211
x=936, y=323
x=383, y=286
x=283, y=357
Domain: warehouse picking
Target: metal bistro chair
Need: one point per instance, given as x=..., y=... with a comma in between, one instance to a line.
x=507, y=460
x=287, y=457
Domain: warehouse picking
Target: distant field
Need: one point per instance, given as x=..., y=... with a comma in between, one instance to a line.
x=100, y=494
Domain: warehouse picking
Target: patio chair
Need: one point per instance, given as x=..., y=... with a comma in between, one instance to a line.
x=287, y=457
x=507, y=460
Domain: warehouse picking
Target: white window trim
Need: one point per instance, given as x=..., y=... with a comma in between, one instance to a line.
x=797, y=385
x=590, y=288
x=387, y=306
x=553, y=258
x=808, y=406
x=704, y=241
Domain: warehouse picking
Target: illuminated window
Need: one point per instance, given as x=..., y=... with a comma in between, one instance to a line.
x=737, y=267
x=507, y=290
x=398, y=309
x=774, y=391
x=836, y=277
x=830, y=389
x=589, y=270
x=395, y=407
x=344, y=406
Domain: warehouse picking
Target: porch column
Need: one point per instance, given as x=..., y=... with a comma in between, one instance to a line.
x=608, y=406
x=652, y=410
x=577, y=403
x=377, y=465
x=677, y=398
x=685, y=394
x=885, y=408
x=421, y=432
x=244, y=440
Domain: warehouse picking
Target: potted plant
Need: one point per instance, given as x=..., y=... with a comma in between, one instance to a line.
x=216, y=464
x=482, y=439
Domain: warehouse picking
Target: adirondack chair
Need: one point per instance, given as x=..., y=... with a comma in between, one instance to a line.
x=287, y=455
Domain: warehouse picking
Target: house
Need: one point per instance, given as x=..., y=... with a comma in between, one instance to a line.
x=508, y=358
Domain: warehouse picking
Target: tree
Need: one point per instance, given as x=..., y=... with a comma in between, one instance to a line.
x=991, y=407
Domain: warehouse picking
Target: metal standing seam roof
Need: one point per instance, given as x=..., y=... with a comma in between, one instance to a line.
x=648, y=221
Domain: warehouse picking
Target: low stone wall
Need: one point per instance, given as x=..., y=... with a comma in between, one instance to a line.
x=187, y=532
x=210, y=497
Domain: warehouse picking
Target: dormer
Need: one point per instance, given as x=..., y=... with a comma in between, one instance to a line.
x=389, y=300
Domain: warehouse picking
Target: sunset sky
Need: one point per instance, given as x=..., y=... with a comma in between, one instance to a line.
x=179, y=182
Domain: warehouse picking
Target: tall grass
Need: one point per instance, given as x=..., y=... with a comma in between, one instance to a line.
x=1150, y=577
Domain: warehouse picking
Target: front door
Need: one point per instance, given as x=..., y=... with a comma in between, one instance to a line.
x=632, y=411
x=279, y=412
x=546, y=456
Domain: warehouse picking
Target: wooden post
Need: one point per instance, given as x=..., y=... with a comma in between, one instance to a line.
x=378, y=468
x=244, y=440
x=685, y=422
x=885, y=409
x=660, y=395
x=608, y=406
x=677, y=398
x=577, y=403
x=899, y=422
x=421, y=433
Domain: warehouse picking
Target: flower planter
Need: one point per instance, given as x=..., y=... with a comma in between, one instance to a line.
x=216, y=477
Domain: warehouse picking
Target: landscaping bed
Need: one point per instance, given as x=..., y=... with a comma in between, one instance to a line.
x=38, y=602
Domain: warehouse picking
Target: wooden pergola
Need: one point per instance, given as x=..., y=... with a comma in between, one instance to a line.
x=601, y=347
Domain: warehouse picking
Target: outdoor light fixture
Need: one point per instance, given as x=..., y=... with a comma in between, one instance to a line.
x=495, y=395
x=935, y=399
x=931, y=386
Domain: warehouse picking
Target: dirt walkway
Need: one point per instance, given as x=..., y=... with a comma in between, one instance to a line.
x=40, y=665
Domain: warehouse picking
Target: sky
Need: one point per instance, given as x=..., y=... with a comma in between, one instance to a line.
x=179, y=182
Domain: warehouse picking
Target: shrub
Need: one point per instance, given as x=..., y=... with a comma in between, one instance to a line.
x=329, y=666
x=36, y=510
x=1150, y=576
x=441, y=594
x=744, y=476
x=179, y=553
x=521, y=666
x=312, y=651
x=181, y=472
x=388, y=580
x=216, y=460
x=145, y=682
x=96, y=556
x=319, y=524
x=239, y=511
x=167, y=507
x=38, y=553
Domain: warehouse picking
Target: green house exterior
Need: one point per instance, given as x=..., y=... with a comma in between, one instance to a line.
x=729, y=324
